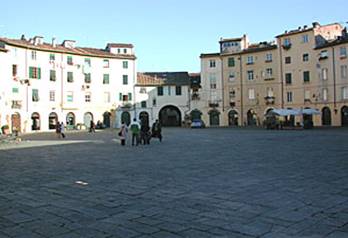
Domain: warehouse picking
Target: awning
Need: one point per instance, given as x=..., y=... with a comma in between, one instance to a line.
x=310, y=111
x=294, y=112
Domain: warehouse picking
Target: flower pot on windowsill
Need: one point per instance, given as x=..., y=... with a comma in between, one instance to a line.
x=5, y=130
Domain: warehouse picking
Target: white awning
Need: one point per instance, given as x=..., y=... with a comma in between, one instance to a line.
x=310, y=111
x=294, y=112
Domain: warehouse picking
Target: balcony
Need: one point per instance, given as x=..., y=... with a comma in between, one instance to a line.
x=287, y=46
x=126, y=104
x=195, y=96
x=323, y=57
x=16, y=104
x=232, y=104
x=307, y=101
x=269, y=100
x=269, y=78
x=213, y=104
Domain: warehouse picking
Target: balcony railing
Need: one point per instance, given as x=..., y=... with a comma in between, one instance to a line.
x=286, y=47
x=16, y=104
x=195, y=96
x=213, y=104
x=269, y=100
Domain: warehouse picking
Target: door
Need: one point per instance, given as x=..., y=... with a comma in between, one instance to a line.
x=344, y=116
x=16, y=122
x=126, y=118
x=87, y=118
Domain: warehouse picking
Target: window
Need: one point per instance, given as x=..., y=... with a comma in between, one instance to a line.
x=324, y=54
x=52, y=96
x=250, y=59
x=212, y=80
x=324, y=73
x=232, y=93
x=305, y=57
x=125, y=79
x=212, y=63
x=288, y=60
x=125, y=51
x=70, y=60
x=343, y=52
x=120, y=97
x=106, y=79
x=288, y=78
x=325, y=94
x=178, y=90
x=106, y=63
x=270, y=92
x=160, y=91
x=307, y=95
x=106, y=97
x=289, y=96
x=306, y=77
x=70, y=96
x=231, y=62
x=34, y=73
x=70, y=77
x=269, y=57
x=269, y=73
x=169, y=90
x=14, y=70
x=287, y=42
x=345, y=93
x=142, y=90
x=343, y=71
x=143, y=104
x=14, y=90
x=35, y=95
x=250, y=74
x=88, y=62
x=88, y=78
x=52, y=75
x=305, y=39
x=231, y=76
x=130, y=96
x=125, y=64
x=251, y=94
x=88, y=97
x=52, y=57
x=33, y=55
x=154, y=102
x=119, y=51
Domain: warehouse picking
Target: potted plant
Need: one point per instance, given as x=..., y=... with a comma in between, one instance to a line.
x=5, y=129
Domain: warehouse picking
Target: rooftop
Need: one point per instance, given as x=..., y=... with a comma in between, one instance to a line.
x=163, y=78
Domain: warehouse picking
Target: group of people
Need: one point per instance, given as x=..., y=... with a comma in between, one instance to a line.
x=60, y=128
x=141, y=133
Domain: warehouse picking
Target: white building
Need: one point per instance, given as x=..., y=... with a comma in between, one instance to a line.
x=164, y=96
x=43, y=83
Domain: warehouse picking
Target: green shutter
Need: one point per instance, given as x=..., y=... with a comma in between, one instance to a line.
x=120, y=98
x=129, y=96
x=30, y=72
x=38, y=73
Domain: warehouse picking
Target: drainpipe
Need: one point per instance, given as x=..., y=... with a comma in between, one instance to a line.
x=222, y=84
x=334, y=77
x=281, y=74
x=241, y=90
x=134, y=97
x=26, y=77
x=61, y=84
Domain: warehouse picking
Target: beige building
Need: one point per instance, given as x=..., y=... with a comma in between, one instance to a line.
x=304, y=68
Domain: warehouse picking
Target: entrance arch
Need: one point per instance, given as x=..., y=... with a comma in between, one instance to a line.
x=214, y=118
x=87, y=118
x=70, y=120
x=233, y=118
x=52, y=120
x=144, y=118
x=16, y=122
x=196, y=114
x=251, y=118
x=35, y=121
x=170, y=116
x=126, y=118
x=106, y=119
x=326, y=116
x=344, y=116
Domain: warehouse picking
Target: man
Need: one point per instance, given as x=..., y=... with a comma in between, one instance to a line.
x=157, y=130
x=135, y=129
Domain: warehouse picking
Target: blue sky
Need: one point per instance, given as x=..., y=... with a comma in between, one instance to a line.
x=169, y=35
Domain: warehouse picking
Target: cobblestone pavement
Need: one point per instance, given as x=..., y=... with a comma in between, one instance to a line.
x=196, y=183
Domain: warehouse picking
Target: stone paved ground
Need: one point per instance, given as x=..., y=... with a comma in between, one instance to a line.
x=196, y=183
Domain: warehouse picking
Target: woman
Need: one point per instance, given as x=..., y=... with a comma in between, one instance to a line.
x=123, y=133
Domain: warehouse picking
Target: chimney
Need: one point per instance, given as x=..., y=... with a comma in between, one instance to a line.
x=23, y=37
x=69, y=43
x=305, y=27
x=315, y=24
x=38, y=40
x=54, y=42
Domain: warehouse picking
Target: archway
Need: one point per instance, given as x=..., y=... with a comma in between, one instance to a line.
x=126, y=118
x=87, y=118
x=233, y=118
x=344, y=116
x=106, y=119
x=52, y=120
x=170, y=116
x=251, y=118
x=70, y=120
x=144, y=118
x=326, y=116
x=16, y=122
x=196, y=114
x=214, y=118
x=35, y=121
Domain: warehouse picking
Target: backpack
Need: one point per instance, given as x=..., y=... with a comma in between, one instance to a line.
x=134, y=128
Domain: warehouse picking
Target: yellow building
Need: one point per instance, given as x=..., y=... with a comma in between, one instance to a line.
x=303, y=69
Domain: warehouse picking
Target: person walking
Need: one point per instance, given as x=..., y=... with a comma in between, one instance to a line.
x=62, y=129
x=92, y=127
x=58, y=129
x=145, y=134
x=135, y=129
x=123, y=133
x=157, y=130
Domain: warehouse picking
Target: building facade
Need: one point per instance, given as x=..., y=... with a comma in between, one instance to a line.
x=48, y=82
x=303, y=69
